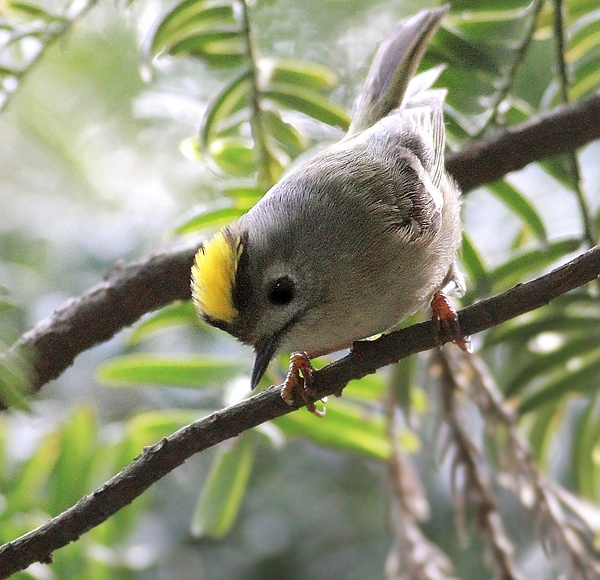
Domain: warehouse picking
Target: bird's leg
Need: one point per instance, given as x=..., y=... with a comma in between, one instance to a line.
x=298, y=383
x=445, y=316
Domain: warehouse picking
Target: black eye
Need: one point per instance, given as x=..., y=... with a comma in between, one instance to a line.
x=282, y=291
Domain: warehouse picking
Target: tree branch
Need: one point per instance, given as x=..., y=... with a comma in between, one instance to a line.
x=132, y=290
x=561, y=130
x=366, y=357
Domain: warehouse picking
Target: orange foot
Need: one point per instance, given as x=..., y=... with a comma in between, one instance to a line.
x=298, y=383
x=445, y=316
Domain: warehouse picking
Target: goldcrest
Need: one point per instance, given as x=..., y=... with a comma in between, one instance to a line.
x=354, y=239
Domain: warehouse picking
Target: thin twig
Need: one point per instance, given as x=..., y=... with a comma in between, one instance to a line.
x=510, y=76
x=266, y=178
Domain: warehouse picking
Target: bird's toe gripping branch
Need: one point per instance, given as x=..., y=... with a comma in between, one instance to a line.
x=297, y=387
x=445, y=317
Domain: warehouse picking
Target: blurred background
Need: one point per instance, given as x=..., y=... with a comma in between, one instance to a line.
x=94, y=169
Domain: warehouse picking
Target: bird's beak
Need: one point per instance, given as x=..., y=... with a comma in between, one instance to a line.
x=265, y=350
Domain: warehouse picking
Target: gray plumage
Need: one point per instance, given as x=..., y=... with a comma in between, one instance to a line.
x=353, y=240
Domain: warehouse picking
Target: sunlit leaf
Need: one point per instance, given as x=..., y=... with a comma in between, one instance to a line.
x=234, y=155
x=310, y=103
x=284, y=133
x=188, y=18
x=26, y=12
x=520, y=205
x=210, y=219
x=29, y=483
x=78, y=443
x=230, y=100
x=245, y=196
x=584, y=36
x=296, y=72
x=369, y=388
x=222, y=48
x=347, y=426
x=148, y=428
x=193, y=371
x=587, y=77
x=224, y=490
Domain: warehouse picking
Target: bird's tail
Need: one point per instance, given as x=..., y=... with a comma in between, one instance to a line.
x=393, y=68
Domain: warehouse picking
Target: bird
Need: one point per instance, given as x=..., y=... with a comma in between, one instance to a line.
x=353, y=239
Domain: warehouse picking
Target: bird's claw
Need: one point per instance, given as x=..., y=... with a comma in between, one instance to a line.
x=444, y=316
x=297, y=387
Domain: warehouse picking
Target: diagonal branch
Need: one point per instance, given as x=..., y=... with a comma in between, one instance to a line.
x=558, y=131
x=366, y=357
x=132, y=290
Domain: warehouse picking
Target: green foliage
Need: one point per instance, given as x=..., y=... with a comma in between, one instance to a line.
x=497, y=55
x=67, y=462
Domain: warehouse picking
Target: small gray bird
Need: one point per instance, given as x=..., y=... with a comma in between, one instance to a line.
x=353, y=240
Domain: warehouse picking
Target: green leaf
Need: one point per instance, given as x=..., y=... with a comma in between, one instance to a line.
x=584, y=379
x=210, y=219
x=548, y=362
x=233, y=155
x=310, y=103
x=78, y=443
x=451, y=48
x=193, y=371
x=147, y=428
x=521, y=206
x=296, y=72
x=584, y=36
x=245, y=196
x=14, y=383
x=368, y=389
x=542, y=431
x=30, y=482
x=231, y=99
x=346, y=426
x=285, y=133
x=219, y=49
x=188, y=18
x=475, y=268
x=488, y=5
x=224, y=490
x=28, y=12
x=585, y=451
x=524, y=328
x=173, y=315
x=517, y=269
x=587, y=77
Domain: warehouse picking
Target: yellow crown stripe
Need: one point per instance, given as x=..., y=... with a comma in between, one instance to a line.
x=213, y=277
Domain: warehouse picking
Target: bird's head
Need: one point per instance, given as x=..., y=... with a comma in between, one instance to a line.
x=251, y=293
